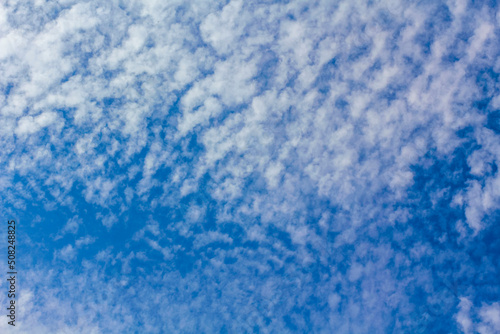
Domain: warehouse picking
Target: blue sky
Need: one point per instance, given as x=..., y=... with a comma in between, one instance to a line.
x=252, y=167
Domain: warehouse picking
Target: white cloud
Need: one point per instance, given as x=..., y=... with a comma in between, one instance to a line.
x=28, y=125
x=222, y=30
x=87, y=240
x=490, y=316
x=67, y=253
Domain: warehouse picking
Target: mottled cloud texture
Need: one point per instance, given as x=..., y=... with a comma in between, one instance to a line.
x=252, y=166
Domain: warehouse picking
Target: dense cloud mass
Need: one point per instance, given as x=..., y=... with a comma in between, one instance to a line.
x=252, y=166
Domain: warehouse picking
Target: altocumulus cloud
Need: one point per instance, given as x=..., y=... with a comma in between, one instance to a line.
x=263, y=166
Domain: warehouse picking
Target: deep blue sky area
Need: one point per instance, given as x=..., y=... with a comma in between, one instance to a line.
x=251, y=167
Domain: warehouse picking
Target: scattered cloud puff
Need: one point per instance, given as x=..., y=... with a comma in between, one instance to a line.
x=484, y=320
x=253, y=166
